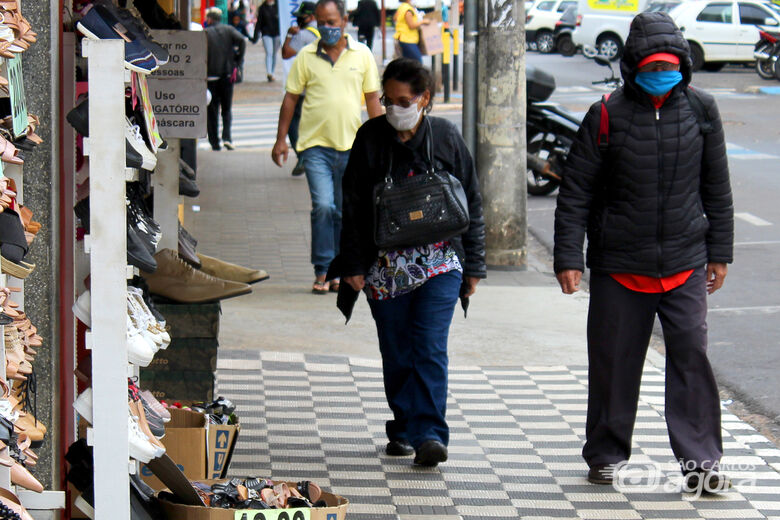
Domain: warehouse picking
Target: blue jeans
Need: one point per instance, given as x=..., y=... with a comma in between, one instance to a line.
x=271, y=45
x=324, y=171
x=411, y=50
x=413, y=330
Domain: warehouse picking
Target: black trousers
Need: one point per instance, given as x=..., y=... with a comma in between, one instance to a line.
x=221, y=99
x=620, y=322
x=366, y=35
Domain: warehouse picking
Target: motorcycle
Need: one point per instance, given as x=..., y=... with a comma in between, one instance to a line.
x=766, y=53
x=550, y=130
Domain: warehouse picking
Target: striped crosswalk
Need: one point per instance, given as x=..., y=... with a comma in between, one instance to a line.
x=254, y=126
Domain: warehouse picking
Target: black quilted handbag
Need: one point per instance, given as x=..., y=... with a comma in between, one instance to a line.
x=421, y=209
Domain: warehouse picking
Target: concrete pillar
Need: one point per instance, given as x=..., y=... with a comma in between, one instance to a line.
x=41, y=79
x=501, y=142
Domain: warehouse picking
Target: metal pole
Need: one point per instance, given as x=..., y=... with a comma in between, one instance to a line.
x=384, y=32
x=470, y=75
x=455, y=57
x=445, y=64
x=501, y=145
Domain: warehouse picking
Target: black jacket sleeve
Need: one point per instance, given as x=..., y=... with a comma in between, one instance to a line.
x=716, y=188
x=258, y=24
x=575, y=197
x=357, y=209
x=474, y=237
x=239, y=44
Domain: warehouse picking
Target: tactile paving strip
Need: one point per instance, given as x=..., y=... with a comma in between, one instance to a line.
x=516, y=436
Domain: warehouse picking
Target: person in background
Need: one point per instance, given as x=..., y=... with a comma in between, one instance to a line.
x=366, y=17
x=226, y=47
x=335, y=71
x=299, y=36
x=268, y=26
x=239, y=24
x=407, y=24
x=647, y=179
x=412, y=292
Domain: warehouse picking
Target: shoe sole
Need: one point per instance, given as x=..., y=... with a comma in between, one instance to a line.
x=16, y=270
x=84, y=507
x=600, y=481
x=266, y=277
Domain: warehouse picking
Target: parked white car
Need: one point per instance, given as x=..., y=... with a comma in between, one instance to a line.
x=540, y=22
x=721, y=31
x=602, y=25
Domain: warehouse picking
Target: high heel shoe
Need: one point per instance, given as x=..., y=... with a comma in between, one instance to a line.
x=12, y=502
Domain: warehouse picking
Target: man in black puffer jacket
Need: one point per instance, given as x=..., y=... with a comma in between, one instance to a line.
x=647, y=178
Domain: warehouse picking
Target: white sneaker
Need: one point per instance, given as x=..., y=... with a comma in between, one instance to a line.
x=136, y=140
x=82, y=308
x=139, y=351
x=140, y=448
x=83, y=404
x=156, y=327
x=141, y=321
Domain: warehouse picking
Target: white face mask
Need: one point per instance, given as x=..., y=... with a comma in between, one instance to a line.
x=402, y=118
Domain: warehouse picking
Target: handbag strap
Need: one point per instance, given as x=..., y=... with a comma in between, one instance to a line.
x=428, y=153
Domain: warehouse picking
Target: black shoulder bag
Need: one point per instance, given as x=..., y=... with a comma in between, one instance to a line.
x=421, y=209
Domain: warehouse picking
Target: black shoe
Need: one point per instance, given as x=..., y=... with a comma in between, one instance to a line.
x=138, y=252
x=216, y=147
x=186, y=169
x=430, y=453
x=708, y=482
x=187, y=186
x=299, y=169
x=78, y=118
x=400, y=448
x=133, y=159
x=187, y=252
x=601, y=474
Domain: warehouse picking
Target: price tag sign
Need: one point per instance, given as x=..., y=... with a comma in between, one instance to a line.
x=16, y=89
x=148, y=110
x=273, y=514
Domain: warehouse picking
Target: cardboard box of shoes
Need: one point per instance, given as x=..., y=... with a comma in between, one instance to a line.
x=201, y=450
x=335, y=509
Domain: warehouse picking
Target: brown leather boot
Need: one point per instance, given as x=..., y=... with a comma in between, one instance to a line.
x=228, y=271
x=176, y=280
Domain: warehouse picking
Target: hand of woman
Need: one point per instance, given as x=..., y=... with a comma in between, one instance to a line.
x=470, y=286
x=425, y=21
x=357, y=282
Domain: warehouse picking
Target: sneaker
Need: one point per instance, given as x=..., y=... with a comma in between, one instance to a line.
x=83, y=405
x=138, y=29
x=228, y=145
x=141, y=448
x=136, y=141
x=82, y=308
x=140, y=352
x=136, y=302
x=141, y=323
x=99, y=24
x=150, y=400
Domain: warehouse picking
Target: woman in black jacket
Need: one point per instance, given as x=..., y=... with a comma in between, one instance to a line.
x=412, y=292
x=268, y=25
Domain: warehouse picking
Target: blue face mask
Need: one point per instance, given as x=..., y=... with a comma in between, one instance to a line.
x=658, y=83
x=330, y=36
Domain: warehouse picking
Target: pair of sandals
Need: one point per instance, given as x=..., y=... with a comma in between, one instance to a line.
x=28, y=139
x=323, y=287
x=255, y=493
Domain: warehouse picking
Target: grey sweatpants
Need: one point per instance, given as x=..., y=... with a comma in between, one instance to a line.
x=620, y=322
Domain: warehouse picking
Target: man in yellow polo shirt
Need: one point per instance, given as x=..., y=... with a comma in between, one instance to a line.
x=336, y=72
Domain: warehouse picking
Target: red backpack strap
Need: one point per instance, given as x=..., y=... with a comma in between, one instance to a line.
x=603, y=138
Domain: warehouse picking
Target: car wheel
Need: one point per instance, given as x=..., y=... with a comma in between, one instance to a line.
x=566, y=46
x=697, y=57
x=609, y=46
x=545, y=43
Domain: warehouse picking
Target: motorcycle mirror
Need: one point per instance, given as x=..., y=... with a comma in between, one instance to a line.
x=602, y=61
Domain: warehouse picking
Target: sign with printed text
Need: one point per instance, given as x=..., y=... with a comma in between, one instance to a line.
x=179, y=107
x=178, y=88
x=16, y=91
x=187, y=54
x=273, y=514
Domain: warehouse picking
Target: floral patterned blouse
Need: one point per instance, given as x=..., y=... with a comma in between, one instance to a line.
x=400, y=272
